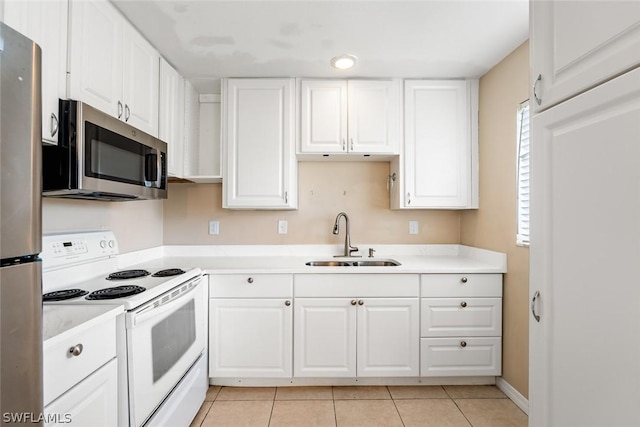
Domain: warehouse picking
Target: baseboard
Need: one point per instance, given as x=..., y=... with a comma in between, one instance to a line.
x=513, y=394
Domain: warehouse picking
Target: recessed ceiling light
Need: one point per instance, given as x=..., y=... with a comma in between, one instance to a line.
x=343, y=62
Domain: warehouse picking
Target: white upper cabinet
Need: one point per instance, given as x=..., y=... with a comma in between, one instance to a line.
x=354, y=116
x=45, y=22
x=577, y=45
x=438, y=167
x=171, y=113
x=112, y=67
x=260, y=166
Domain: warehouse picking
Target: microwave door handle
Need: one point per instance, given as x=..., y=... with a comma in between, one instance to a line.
x=151, y=168
x=150, y=310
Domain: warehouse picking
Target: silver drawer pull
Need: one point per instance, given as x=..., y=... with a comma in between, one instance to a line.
x=464, y=280
x=287, y=303
x=360, y=302
x=353, y=302
x=250, y=280
x=463, y=304
x=463, y=344
x=533, y=306
x=76, y=350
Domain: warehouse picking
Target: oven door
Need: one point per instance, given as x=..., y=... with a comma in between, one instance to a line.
x=164, y=338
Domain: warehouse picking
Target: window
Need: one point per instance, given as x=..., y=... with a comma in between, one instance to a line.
x=522, y=237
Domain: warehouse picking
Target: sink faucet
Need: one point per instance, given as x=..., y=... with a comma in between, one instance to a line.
x=348, y=249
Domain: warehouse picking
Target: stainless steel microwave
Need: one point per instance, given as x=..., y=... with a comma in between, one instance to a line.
x=102, y=158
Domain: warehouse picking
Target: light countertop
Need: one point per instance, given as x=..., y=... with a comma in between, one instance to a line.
x=59, y=321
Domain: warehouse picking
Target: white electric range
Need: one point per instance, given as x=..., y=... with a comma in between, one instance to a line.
x=161, y=339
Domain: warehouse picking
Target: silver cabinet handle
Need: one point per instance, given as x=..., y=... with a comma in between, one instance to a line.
x=464, y=280
x=533, y=306
x=408, y=198
x=286, y=197
x=119, y=109
x=463, y=304
x=344, y=145
x=250, y=280
x=360, y=302
x=535, y=85
x=127, y=112
x=287, y=303
x=351, y=140
x=353, y=302
x=76, y=350
x=54, y=125
x=463, y=344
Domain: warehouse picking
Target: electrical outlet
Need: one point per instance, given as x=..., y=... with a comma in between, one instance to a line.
x=414, y=227
x=214, y=227
x=282, y=226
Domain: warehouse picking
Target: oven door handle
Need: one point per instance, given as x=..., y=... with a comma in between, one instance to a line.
x=163, y=304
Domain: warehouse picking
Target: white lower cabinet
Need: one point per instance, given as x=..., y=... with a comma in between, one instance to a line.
x=356, y=325
x=92, y=402
x=250, y=326
x=461, y=325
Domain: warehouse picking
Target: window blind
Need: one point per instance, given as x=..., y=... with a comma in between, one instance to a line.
x=522, y=237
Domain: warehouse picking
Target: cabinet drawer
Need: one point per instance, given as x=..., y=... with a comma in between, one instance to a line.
x=357, y=285
x=461, y=285
x=449, y=357
x=251, y=285
x=451, y=317
x=62, y=370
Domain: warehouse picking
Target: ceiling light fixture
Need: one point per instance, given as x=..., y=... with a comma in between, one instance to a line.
x=343, y=62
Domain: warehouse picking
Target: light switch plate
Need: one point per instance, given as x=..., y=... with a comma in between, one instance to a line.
x=414, y=227
x=214, y=227
x=282, y=226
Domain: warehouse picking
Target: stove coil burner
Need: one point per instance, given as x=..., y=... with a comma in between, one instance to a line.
x=115, y=292
x=64, y=294
x=169, y=272
x=127, y=274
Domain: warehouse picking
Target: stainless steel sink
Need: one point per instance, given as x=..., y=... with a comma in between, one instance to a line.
x=360, y=263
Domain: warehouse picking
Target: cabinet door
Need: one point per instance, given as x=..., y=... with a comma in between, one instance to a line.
x=325, y=337
x=260, y=162
x=440, y=144
x=96, y=31
x=584, y=256
x=577, y=45
x=388, y=337
x=140, y=81
x=92, y=402
x=250, y=338
x=171, y=117
x=323, y=116
x=46, y=24
x=374, y=116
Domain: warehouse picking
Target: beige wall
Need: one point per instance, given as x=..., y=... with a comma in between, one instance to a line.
x=493, y=226
x=137, y=225
x=325, y=189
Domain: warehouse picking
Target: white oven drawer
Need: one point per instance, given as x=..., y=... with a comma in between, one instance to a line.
x=62, y=369
x=461, y=285
x=251, y=285
x=447, y=317
x=464, y=356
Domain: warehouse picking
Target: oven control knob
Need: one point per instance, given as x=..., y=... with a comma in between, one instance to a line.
x=112, y=243
x=103, y=244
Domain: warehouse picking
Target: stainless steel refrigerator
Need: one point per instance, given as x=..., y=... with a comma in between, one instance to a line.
x=20, y=230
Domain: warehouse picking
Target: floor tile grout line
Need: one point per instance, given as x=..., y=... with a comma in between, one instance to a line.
x=335, y=412
x=396, y=406
x=462, y=412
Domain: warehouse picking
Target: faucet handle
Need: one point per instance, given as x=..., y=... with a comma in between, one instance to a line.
x=371, y=252
x=353, y=249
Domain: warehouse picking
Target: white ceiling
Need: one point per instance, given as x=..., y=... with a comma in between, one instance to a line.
x=206, y=40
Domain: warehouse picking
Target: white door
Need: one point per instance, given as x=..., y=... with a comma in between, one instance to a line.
x=171, y=117
x=46, y=24
x=140, y=81
x=388, y=337
x=374, y=116
x=323, y=116
x=576, y=45
x=585, y=229
x=260, y=162
x=325, y=337
x=250, y=338
x=439, y=143
x=91, y=402
x=96, y=31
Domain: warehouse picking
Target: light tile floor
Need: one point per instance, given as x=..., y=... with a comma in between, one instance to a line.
x=430, y=406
